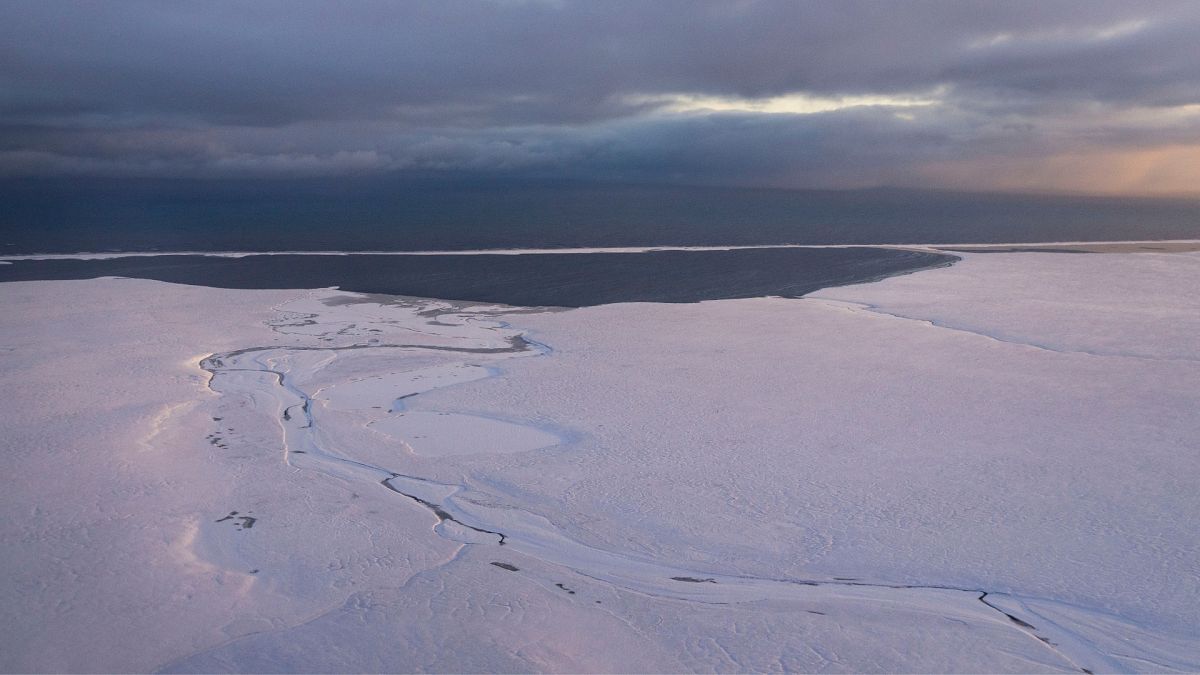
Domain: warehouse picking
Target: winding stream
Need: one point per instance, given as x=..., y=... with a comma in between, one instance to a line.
x=464, y=514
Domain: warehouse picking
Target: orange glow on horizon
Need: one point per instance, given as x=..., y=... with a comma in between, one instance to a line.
x=1163, y=171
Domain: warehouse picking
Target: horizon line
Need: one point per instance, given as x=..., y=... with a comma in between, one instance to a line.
x=104, y=255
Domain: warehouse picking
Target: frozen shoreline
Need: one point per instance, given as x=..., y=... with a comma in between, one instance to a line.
x=588, y=552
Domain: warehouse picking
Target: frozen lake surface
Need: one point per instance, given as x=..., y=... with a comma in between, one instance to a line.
x=983, y=467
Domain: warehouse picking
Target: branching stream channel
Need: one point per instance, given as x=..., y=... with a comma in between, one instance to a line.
x=467, y=515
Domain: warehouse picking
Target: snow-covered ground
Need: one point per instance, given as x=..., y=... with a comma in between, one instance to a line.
x=985, y=467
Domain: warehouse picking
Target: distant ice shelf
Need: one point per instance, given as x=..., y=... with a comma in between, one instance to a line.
x=968, y=246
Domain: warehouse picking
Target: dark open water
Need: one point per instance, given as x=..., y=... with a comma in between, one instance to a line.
x=380, y=214
x=566, y=280
x=375, y=215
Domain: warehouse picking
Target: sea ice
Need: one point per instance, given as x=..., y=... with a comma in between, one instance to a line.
x=986, y=467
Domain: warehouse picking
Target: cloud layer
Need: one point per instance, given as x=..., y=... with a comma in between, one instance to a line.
x=1087, y=95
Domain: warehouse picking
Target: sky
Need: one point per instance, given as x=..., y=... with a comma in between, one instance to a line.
x=1082, y=96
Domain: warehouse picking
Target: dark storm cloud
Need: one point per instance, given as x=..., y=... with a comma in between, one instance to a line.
x=585, y=88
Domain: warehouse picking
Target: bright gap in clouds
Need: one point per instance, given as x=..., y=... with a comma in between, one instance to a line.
x=789, y=104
